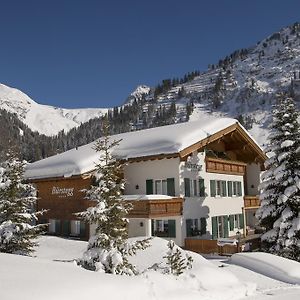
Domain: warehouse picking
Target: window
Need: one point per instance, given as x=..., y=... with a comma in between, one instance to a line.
x=77, y=228
x=220, y=227
x=160, y=186
x=194, y=189
x=54, y=226
x=163, y=228
x=194, y=227
x=239, y=221
x=218, y=188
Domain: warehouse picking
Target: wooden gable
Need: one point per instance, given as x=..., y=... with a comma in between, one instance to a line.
x=233, y=142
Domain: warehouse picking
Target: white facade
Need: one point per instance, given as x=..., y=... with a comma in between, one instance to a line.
x=195, y=206
x=137, y=173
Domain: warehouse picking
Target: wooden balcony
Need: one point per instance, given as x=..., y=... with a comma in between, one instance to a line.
x=251, y=202
x=222, y=166
x=156, y=208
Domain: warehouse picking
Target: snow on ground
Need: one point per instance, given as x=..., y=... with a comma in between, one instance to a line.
x=266, y=287
x=51, y=276
x=270, y=265
x=54, y=248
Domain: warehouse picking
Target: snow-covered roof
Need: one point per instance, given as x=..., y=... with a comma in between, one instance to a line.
x=155, y=141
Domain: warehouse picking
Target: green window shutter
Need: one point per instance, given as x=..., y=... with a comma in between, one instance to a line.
x=152, y=227
x=229, y=186
x=149, y=186
x=187, y=188
x=203, y=225
x=231, y=222
x=189, y=228
x=171, y=186
x=171, y=228
x=239, y=188
x=241, y=218
x=213, y=188
x=224, y=192
x=57, y=227
x=65, y=227
x=195, y=188
x=225, y=226
x=214, y=227
x=82, y=228
x=201, y=188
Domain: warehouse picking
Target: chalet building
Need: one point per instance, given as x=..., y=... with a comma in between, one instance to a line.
x=191, y=180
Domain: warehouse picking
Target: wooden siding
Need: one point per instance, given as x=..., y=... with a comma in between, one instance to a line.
x=208, y=247
x=156, y=208
x=216, y=165
x=60, y=205
x=251, y=202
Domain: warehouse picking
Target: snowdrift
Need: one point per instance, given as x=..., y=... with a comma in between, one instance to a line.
x=269, y=265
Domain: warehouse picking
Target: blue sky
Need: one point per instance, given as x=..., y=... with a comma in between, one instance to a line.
x=93, y=53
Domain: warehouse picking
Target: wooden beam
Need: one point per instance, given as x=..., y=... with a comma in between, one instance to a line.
x=61, y=178
x=153, y=157
x=201, y=144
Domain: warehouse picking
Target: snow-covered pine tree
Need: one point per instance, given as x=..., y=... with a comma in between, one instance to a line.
x=280, y=208
x=177, y=262
x=108, y=249
x=17, y=199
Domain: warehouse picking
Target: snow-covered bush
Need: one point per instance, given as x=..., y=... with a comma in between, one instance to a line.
x=177, y=262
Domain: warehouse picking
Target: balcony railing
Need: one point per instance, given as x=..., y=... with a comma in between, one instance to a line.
x=156, y=208
x=216, y=165
x=251, y=202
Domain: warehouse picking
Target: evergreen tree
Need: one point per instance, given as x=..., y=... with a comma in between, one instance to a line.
x=108, y=249
x=280, y=197
x=176, y=262
x=17, y=199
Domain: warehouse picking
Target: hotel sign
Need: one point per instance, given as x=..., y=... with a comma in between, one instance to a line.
x=193, y=167
x=62, y=192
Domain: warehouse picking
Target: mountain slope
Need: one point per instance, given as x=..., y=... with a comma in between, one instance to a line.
x=45, y=119
x=242, y=85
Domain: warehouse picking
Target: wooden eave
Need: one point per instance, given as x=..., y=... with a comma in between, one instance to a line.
x=81, y=176
x=153, y=157
x=241, y=143
x=201, y=144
